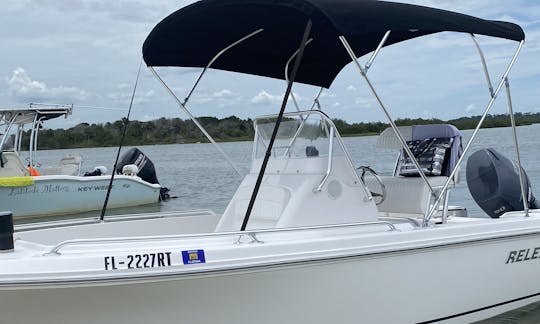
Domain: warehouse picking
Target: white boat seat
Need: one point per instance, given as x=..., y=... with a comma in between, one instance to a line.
x=406, y=195
x=270, y=203
x=69, y=165
x=13, y=166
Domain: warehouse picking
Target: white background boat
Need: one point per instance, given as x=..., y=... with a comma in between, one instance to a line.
x=56, y=190
x=303, y=240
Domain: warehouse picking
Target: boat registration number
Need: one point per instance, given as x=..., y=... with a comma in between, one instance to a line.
x=138, y=261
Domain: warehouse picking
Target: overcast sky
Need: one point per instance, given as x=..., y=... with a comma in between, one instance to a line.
x=87, y=52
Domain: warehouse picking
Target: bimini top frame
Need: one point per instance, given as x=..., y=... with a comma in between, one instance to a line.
x=240, y=34
x=33, y=115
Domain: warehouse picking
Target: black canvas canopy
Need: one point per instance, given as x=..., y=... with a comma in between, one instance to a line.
x=192, y=36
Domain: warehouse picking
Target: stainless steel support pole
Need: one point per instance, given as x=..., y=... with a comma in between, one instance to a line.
x=390, y=120
x=215, y=58
x=484, y=64
x=377, y=50
x=316, y=102
x=287, y=75
x=516, y=144
x=39, y=123
x=445, y=206
x=187, y=112
x=8, y=128
x=32, y=148
x=475, y=132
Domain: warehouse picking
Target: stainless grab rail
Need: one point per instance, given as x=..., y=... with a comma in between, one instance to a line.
x=55, y=250
x=329, y=166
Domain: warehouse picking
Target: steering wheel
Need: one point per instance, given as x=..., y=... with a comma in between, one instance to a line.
x=379, y=191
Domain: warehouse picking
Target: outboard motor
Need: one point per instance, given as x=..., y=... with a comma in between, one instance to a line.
x=494, y=183
x=147, y=172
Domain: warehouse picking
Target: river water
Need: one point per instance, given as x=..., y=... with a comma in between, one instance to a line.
x=201, y=178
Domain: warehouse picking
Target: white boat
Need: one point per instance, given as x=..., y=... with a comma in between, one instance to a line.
x=31, y=190
x=303, y=240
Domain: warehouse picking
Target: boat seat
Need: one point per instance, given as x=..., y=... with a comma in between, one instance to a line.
x=407, y=195
x=270, y=203
x=12, y=165
x=70, y=165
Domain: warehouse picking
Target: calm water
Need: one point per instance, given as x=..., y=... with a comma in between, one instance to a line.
x=201, y=179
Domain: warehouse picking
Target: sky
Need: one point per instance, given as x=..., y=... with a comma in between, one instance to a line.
x=87, y=53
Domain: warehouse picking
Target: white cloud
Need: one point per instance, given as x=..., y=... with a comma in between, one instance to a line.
x=265, y=98
x=350, y=87
x=225, y=93
x=336, y=104
x=221, y=98
x=471, y=108
x=21, y=86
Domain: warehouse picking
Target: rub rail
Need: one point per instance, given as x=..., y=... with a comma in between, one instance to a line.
x=55, y=250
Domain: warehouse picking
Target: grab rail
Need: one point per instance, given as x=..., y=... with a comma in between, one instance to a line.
x=55, y=250
x=329, y=166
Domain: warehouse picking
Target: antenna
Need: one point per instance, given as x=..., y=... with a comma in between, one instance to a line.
x=126, y=122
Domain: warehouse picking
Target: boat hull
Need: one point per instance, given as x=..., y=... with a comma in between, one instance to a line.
x=459, y=282
x=55, y=195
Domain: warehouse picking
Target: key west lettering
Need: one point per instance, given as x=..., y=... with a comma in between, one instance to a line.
x=93, y=188
x=523, y=255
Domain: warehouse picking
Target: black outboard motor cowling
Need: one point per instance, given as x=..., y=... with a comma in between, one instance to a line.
x=494, y=183
x=147, y=171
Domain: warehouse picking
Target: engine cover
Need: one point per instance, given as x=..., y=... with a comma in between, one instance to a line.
x=494, y=184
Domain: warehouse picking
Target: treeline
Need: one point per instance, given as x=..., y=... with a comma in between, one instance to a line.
x=175, y=131
x=159, y=131
x=462, y=123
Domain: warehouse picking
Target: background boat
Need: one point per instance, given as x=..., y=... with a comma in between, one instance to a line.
x=30, y=187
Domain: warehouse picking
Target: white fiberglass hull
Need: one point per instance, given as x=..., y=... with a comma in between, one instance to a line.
x=419, y=276
x=62, y=194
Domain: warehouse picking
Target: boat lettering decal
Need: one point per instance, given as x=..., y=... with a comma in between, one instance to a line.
x=523, y=255
x=193, y=256
x=50, y=188
x=93, y=188
x=138, y=261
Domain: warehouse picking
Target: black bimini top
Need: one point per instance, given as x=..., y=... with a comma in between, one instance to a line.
x=192, y=36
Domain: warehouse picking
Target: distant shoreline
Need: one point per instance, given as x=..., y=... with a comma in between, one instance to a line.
x=230, y=129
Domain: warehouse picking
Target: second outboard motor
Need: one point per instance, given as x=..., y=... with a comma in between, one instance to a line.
x=147, y=172
x=494, y=183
